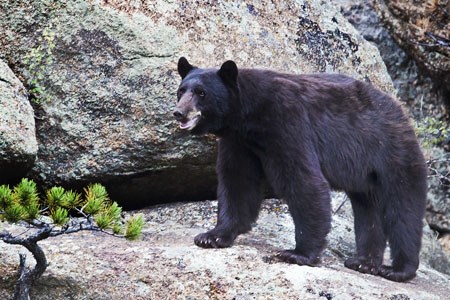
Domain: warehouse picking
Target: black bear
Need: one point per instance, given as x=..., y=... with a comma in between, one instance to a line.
x=305, y=135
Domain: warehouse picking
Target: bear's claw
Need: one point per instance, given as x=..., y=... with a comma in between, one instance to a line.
x=211, y=240
x=362, y=265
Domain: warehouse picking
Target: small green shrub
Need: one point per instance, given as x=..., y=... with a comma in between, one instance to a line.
x=432, y=132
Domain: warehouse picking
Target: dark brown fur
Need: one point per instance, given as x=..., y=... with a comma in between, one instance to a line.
x=305, y=135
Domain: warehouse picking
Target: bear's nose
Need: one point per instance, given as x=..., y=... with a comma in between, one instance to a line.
x=178, y=114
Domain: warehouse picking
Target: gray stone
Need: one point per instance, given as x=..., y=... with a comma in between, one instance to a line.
x=104, y=72
x=18, y=145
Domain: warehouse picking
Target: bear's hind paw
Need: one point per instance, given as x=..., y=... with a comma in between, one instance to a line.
x=398, y=276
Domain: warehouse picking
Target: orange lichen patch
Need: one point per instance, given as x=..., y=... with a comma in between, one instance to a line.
x=429, y=22
x=423, y=30
x=445, y=242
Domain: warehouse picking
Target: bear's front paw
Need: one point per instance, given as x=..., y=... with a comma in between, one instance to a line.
x=293, y=257
x=212, y=240
x=362, y=265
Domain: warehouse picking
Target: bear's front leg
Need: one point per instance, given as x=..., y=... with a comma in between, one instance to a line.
x=311, y=213
x=297, y=179
x=239, y=194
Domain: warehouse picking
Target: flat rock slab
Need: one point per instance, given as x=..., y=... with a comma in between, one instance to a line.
x=166, y=264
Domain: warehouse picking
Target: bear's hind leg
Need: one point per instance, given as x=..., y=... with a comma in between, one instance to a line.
x=403, y=227
x=369, y=236
x=239, y=194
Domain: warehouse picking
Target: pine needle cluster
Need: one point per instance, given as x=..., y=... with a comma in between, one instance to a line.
x=21, y=203
x=63, y=209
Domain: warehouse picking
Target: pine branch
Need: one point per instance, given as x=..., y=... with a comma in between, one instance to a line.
x=28, y=277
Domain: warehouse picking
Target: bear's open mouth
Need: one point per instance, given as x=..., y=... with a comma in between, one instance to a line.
x=192, y=120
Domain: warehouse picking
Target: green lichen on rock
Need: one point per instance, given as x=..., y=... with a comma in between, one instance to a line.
x=37, y=60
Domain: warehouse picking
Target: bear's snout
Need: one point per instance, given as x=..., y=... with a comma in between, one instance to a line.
x=188, y=118
x=179, y=115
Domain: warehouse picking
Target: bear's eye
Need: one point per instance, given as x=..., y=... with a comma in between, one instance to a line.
x=200, y=92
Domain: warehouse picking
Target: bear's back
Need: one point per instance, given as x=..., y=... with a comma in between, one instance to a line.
x=317, y=93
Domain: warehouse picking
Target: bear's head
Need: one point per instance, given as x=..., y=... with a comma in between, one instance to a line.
x=205, y=97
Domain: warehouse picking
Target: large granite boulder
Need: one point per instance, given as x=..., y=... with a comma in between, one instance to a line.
x=103, y=76
x=18, y=144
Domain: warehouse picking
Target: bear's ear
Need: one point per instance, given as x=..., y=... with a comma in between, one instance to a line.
x=184, y=67
x=229, y=71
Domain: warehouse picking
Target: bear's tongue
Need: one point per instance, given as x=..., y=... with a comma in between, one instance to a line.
x=190, y=123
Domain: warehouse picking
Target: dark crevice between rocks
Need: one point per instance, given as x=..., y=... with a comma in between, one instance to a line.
x=138, y=191
x=148, y=188
x=12, y=172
